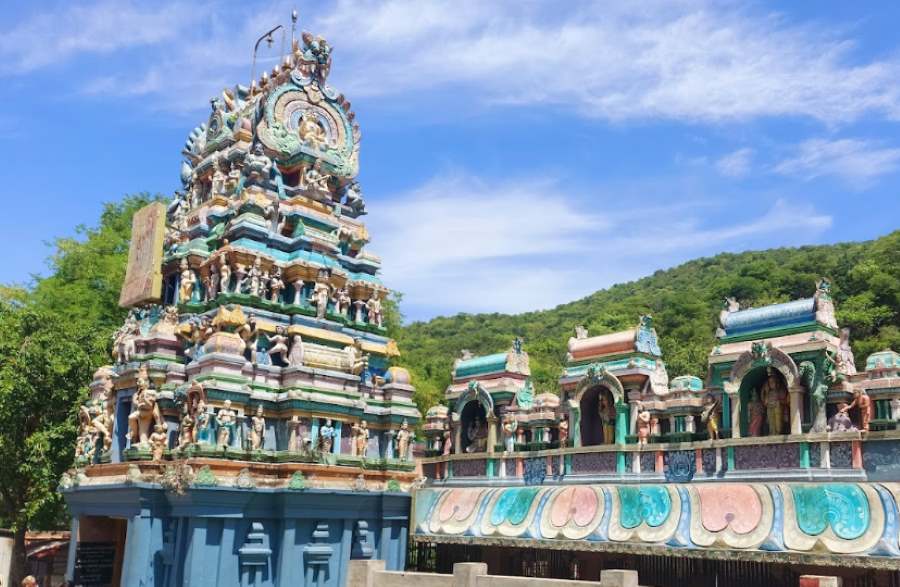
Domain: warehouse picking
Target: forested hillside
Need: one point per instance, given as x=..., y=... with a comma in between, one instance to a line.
x=684, y=301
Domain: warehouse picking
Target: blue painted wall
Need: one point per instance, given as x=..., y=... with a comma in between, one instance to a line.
x=262, y=537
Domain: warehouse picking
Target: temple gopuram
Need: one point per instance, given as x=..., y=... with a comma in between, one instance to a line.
x=781, y=460
x=253, y=428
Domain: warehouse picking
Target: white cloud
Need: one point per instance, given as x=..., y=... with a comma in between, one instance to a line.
x=735, y=164
x=693, y=60
x=856, y=161
x=463, y=244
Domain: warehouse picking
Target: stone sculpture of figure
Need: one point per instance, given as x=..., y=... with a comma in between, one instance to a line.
x=295, y=356
x=224, y=274
x=607, y=415
x=840, y=421
x=320, y=294
x=258, y=166
x=254, y=275
x=476, y=434
x=123, y=340
x=316, y=181
x=356, y=360
x=145, y=413
x=326, y=437
x=729, y=305
x=186, y=433
x=298, y=292
x=276, y=285
x=362, y=439
x=257, y=429
x=212, y=284
x=240, y=275
x=895, y=409
x=341, y=301
x=225, y=423
x=310, y=130
x=509, y=433
x=756, y=413
x=846, y=364
x=447, y=447
x=187, y=283
x=403, y=438
x=279, y=342
x=824, y=304
x=374, y=308
x=294, y=435
x=354, y=198
x=159, y=441
x=710, y=415
x=580, y=332
x=563, y=431
x=354, y=431
x=773, y=395
x=863, y=403
x=643, y=426
x=202, y=422
x=219, y=176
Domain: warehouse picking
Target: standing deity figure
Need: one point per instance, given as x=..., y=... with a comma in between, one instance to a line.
x=643, y=426
x=320, y=294
x=145, y=413
x=374, y=308
x=326, y=437
x=362, y=439
x=255, y=274
x=186, y=433
x=187, y=283
x=257, y=429
x=298, y=292
x=509, y=433
x=159, y=441
x=202, y=421
x=123, y=340
x=840, y=421
x=226, y=420
x=212, y=282
x=563, y=431
x=863, y=403
x=773, y=395
x=403, y=438
x=294, y=434
x=447, y=446
x=224, y=273
x=846, y=364
x=240, y=273
x=276, y=285
x=341, y=301
x=607, y=414
x=756, y=413
x=218, y=179
x=711, y=417
x=295, y=356
x=278, y=343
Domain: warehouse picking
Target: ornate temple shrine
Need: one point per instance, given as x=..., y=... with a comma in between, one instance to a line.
x=782, y=454
x=253, y=429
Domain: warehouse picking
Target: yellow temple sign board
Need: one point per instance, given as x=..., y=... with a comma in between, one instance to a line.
x=143, y=276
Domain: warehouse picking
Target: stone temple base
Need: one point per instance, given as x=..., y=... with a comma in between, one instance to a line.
x=208, y=536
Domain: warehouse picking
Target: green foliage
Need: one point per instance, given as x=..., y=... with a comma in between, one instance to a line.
x=684, y=301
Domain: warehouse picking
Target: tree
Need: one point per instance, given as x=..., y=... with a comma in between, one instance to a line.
x=45, y=365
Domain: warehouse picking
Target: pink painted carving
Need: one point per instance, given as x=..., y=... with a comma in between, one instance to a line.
x=459, y=504
x=576, y=504
x=737, y=506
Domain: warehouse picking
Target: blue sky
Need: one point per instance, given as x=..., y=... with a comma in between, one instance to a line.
x=515, y=155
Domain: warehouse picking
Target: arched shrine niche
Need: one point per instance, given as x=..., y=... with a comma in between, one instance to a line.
x=766, y=403
x=597, y=397
x=475, y=408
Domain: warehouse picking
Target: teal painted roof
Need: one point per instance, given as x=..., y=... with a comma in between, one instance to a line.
x=311, y=257
x=480, y=365
x=886, y=359
x=686, y=383
x=795, y=313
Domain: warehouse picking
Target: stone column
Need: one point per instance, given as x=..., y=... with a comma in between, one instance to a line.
x=492, y=432
x=735, y=402
x=621, y=423
x=796, y=414
x=689, y=423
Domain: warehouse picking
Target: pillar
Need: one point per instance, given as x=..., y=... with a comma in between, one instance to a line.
x=492, y=432
x=336, y=445
x=73, y=547
x=796, y=413
x=621, y=423
x=735, y=402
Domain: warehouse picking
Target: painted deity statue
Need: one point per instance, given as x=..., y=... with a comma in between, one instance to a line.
x=254, y=276
x=403, y=438
x=279, y=344
x=509, y=433
x=145, y=413
x=212, y=282
x=276, y=285
x=310, y=130
x=607, y=415
x=643, y=426
x=563, y=432
x=846, y=364
x=226, y=421
x=224, y=274
x=320, y=294
x=863, y=403
x=326, y=437
x=362, y=439
x=710, y=415
x=295, y=436
x=373, y=305
x=257, y=429
x=202, y=421
x=840, y=421
x=756, y=413
x=295, y=356
x=316, y=180
x=186, y=432
x=447, y=445
x=341, y=301
x=476, y=434
x=124, y=339
x=159, y=441
x=187, y=283
x=773, y=395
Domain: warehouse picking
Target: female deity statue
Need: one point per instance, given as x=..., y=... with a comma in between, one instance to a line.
x=447, y=445
x=255, y=273
x=224, y=273
x=294, y=433
x=326, y=437
x=711, y=417
x=201, y=424
x=643, y=426
x=188, y=281
x=319, y=298
x=362, y=439
x=756, y=413
x=295, y=356
x=225, y=421
x=212, y=282
x=563, y=431
x=373, y=305
x=158, y=441
x=846, y=364
x=279, y=343
x=509, y=433
x=403, y=438
x=276, y=285
x=240, y=273
x=186, y=434
x=607, y=415
x=773, y=395
x=257, y=429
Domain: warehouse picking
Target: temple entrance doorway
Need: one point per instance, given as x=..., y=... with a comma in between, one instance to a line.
x=100, y=551
x=598, y=416
x=473, y=427
x=765, y=405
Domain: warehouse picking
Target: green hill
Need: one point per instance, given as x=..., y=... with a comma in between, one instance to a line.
x=684, y=301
